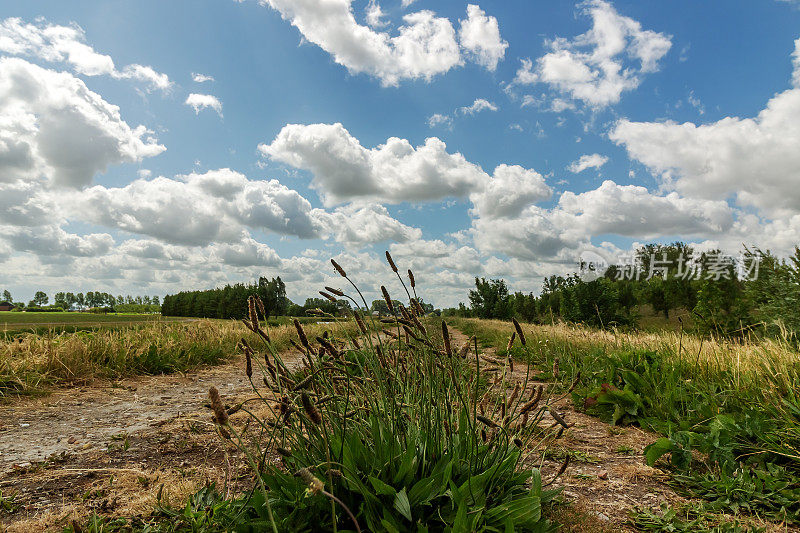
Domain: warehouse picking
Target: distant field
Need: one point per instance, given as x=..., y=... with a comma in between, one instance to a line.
x=14, y=321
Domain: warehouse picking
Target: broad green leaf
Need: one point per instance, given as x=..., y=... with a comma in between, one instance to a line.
x=402, y=504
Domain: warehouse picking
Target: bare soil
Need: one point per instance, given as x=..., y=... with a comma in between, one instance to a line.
x=110, y=446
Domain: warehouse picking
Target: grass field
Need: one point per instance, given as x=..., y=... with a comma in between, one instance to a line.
x=32, y=362
x=725, y=418
x=15, y=318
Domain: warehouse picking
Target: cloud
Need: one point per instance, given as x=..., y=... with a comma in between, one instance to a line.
x=511, y=189
x=66, y=44
x=24, y=203
x=198, y=102
x=423, y=47
x=626, y=210
x=437, y=119
x=201, y=78
x=375, y=15
x=587, y=161
x=599, y=65
x=480, y=37
x=52, y=125
x=199, y=209
x=357, y=226
x=480, y=104
x=155, y=80
x=54, y=241
x=247, y=253
x=393, y=172
x=754, y=160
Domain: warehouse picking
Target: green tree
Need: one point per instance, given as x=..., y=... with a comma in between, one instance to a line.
x=60, y=300
x=721, y=306
x=7, y=296
x=40, y=299
x=490, y=299
x=273, y=294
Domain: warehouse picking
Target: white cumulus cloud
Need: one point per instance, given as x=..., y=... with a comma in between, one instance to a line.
x=480, y=37
x=599, y=65
x=587, y=161
x=424, y=46
x=754, y=160
x=393, y=172
x=480, y=104
x=198, y=102
x=201, y=78
x=67, y=44
x=53, y=126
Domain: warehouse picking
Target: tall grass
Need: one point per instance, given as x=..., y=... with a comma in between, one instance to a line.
x=30, y=363
x=737, y=403
x=398, y=431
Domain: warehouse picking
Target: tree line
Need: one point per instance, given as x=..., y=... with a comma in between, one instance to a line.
x=65, y=301
x=229, y=301
x=756, y=293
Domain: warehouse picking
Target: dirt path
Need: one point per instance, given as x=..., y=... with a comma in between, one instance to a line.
x=104, y=446
x=607, y=475
x=80, y=421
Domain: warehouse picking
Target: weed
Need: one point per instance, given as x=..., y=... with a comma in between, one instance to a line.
x=391, y=432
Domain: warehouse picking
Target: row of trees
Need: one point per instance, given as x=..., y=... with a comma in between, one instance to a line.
x=92, y=299
x=229, y=301
x=721, y=296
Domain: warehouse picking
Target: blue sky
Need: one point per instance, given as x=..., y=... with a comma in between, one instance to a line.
x=685, y=114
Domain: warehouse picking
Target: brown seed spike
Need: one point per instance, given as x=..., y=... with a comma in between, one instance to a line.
x=251, y=308
x=328, y=296
x=339, y=269
x=313, y=482
x=446, y=337
x=519, y=331
x=248, y=364
x=337, y=292
x=464, y=350
x=261, y=307
x=391, y=263
x=311, y=409
x=220, y=414
x=488, y=421
x=360, y=322
x=386, y=297
x=411, y=278
x=301, y=333
x=511, y=341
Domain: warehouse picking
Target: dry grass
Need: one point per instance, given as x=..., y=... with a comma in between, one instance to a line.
x=751, y=360
x=31, y=363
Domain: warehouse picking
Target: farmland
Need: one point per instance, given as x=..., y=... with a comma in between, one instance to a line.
x=606, y=430
x=13, y=322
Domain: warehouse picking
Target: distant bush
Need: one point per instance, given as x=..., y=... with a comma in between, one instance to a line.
x=48, y=309
x=101, y=310
x=137, y=308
